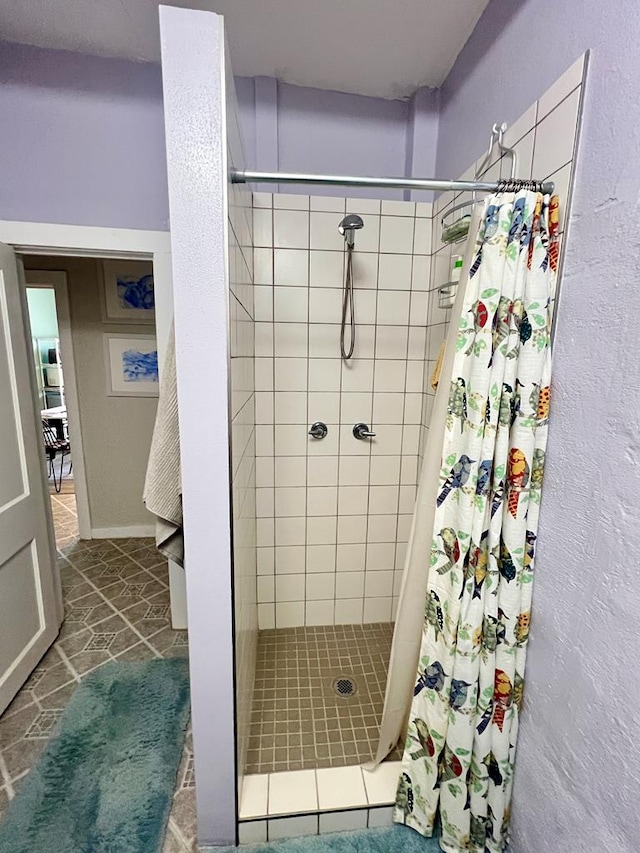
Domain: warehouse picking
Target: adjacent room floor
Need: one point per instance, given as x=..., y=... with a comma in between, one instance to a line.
x=318, y=696
x=116, y=602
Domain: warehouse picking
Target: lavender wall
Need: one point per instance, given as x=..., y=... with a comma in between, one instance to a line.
x=82, y=140
x=576, y=784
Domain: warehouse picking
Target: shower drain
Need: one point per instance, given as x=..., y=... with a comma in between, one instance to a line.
x=345, y=686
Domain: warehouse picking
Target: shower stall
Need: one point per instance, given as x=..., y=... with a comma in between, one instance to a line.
x=308, y=328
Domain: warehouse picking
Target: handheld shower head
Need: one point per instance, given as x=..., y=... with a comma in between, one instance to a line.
x=348, y=227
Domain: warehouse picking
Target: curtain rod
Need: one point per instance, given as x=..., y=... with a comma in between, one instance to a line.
x=247, y=176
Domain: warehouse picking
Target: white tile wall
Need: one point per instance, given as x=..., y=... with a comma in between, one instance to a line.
x=320, y=502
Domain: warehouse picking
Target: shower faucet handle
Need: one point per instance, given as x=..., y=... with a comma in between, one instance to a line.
x=318, y=430
x=362, y=431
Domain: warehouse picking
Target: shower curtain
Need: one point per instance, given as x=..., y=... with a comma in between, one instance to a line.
x=482, y=526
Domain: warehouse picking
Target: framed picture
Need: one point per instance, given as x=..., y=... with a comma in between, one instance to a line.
x=131, y=363
x=128, y=295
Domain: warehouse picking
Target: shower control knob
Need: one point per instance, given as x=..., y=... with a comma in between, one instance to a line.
x=318, y=430
x=362, y=431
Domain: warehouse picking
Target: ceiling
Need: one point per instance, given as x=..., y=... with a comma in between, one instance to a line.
x=384, y=48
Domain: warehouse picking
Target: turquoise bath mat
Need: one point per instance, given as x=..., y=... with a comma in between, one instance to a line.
x=105, y=780
x=389, y=839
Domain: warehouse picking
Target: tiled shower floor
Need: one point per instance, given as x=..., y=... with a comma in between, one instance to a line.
x=116, y=602
x=298, y=721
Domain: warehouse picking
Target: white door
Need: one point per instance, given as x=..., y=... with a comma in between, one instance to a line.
x=30, y=598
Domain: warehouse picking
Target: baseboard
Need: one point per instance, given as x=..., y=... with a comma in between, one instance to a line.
x=123, y=532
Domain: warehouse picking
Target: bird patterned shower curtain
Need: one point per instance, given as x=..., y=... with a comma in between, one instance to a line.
x=459, y=754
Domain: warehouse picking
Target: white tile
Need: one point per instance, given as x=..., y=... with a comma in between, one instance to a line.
x=290, y=614
x=378, y=584
x=262, y=266
x=408, y=468
x=291, y=587
x=252, y=832
x=351, y=446
x=424, y=209
x=381, y=783
x=291, y=374
x=404, y=526
x=365, y=304
x=289, y=501
x=291, y=267
x=357, y=375
x=290, y=440
x=393, y=307
x=264, y=471
x=262, y=199
x=266, y=591
x=410, y=438
x=321, y=531
x=361, y=206
x=266, y=617
x=380, y=817
x=290, y=531
x=356, y=406
x=290, y=201
x=319, y=612
x=324, y=374
x=352, y=529
x=385, y=470
x=322, y=500
x=521, y=126
x=349, y=584
x=388, y=407
x=421, y=273
x=422, y=237
x=292, y=827
x=388, y=440
x=264, y=407
x=264, y=503
x=375, y=610
x=412, y=408
x=354, y=471
x=555, y=136
x=389, y=375
x=290, y=229
x=350, y=558
x=353, y=500
x=565, y=84
x=524, y=150
x=263, y=339
x=322, y=471
x=320, y=586
x=419, y=308
x=325, y=305
x=263, y=304
x=343, y=821
x=394, y=272
x=328, y=203
x=291, y=407
x=407, y=499
x=365, y=270
x=415, y=376
x=321, y=558
x=289, y=471
x=262, y=230
x=383, y=528
x=323, y=406
x=324, y=231
x=391, y=341
x=326, y=269
x=340, y=787
x=396, y=234
x=398, y=208
x=264, y=374
x=327, y=446
x=255, y=790
x=383, y=499
x=324, y=340
x=292, y=791
x=368, y=238
x=290, y=339
x=265, y=558
x=561, y=179
x=265, y=532
x=365, y=340
x=289, y=559
x=417, y=341
x=348, y=611
x=380, y=556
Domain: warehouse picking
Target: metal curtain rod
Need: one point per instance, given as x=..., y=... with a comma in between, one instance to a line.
x=247, y=176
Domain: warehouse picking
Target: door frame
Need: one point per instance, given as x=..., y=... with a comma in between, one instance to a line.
x=57, y=281
x=45, y=238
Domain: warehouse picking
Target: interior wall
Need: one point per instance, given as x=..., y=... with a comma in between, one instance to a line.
x=334, y=514
x=243, y=434
x=116, y=431
x=577, y=731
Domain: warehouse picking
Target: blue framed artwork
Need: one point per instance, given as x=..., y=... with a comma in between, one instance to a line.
x=131, y=363
x=128, y=292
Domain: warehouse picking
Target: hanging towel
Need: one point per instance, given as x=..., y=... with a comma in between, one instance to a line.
x=435, y=376
x=163, y=488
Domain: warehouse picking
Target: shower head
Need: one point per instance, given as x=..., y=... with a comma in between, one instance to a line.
x=348, y=227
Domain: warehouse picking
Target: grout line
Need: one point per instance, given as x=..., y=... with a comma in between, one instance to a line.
x=4, y=774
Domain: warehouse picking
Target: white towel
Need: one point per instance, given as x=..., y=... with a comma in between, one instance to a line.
x=163, y=486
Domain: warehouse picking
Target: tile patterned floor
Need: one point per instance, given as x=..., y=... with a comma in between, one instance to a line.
x=116, y=601
x=298, y=721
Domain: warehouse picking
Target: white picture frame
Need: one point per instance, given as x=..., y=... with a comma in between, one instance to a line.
x=131, y=365
x=127, y=291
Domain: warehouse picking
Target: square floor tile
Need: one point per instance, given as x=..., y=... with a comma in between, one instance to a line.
x=292, y=791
